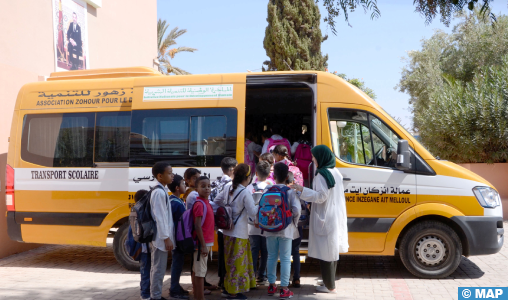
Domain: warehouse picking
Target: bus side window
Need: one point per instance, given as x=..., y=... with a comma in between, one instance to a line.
x=183, y=137
x=58, y=140
x=112, y=131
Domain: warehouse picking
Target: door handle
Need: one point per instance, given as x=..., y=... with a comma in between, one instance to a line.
x=346, y=179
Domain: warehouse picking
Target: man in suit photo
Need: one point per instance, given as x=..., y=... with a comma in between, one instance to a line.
x=75, y=43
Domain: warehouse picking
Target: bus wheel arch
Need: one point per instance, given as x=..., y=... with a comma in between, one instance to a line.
x=119, y=250
x=430, y=249
x=438, y=218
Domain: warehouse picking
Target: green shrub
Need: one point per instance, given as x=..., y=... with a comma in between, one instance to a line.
x=468, y=122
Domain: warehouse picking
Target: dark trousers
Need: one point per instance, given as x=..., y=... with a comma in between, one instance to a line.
x=328, y=270
x=222, y=263
x=258, y=244
x=177, y=260
x=145, y=264
x=295, y=252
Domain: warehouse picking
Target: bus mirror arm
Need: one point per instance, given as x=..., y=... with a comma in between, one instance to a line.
x=403, y=156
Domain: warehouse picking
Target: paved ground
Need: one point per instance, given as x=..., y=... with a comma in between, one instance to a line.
x=71, y=272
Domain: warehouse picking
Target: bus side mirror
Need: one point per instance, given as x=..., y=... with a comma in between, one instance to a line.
x=403, y=156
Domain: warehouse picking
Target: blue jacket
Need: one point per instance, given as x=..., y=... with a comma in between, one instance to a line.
x=177, y=208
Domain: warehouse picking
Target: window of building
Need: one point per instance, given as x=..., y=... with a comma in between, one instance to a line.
x=112, y=136
x=58, y=140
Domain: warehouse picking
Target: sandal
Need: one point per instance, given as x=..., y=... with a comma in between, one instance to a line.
x=210, y=286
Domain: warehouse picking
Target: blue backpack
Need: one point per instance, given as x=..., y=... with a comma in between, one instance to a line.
x=274, y=213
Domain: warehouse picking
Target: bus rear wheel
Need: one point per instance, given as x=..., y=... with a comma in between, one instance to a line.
x=431, y=249
x=119, y=250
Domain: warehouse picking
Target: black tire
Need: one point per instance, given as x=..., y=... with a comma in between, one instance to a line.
x=119, y=250
x=431, y=249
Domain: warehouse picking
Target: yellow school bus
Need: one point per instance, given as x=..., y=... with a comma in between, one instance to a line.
x=83, y=142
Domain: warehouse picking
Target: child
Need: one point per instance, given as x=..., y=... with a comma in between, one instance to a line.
x=281, y=155
x=240, y=276
x=203, y=234
x=140, y=252
x=190, y=195
x=276, y=138
x=297, y=241
x=281, y=241
x=177, y=188
x=164, y=238
x=190, y=176
x=257, y=240
x=251, y=150
x=268, y=157
x=227, y=165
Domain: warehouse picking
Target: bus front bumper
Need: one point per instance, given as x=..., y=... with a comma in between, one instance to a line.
x=484, y=234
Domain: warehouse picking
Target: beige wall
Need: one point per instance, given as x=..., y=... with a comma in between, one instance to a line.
x=496, y=174
x=122, y=33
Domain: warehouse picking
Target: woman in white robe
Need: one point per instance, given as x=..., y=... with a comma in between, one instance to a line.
x=328, y=218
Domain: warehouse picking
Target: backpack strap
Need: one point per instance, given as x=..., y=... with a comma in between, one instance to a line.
x=234, y=222
x=204, y=210
x=229, y=203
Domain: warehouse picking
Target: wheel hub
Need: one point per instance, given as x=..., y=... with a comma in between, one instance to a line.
x=430, y=250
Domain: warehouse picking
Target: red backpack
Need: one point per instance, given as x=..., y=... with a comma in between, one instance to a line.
x=303, y=158
x=273, y=143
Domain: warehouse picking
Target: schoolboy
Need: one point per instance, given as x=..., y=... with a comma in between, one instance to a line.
x=258, y=240
x=140, y=253
x=164, y=238
x=281, y=241
x=227, y=165
x=190, y=176
x=177, y=188
x=203, y=234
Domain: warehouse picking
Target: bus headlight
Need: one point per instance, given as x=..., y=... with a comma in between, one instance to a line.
x=488, y=197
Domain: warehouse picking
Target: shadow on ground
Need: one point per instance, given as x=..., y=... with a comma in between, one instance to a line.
x=102, y=260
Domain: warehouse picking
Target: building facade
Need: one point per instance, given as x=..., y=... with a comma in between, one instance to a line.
x=35, y=40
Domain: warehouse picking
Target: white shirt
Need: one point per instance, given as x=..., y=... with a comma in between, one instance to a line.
x=243, y=202
x=267, y=142
x=328, y=218
x=161, y=213
x=261, y=185
x=253, y=147
x=296, y=209
x=191, y=198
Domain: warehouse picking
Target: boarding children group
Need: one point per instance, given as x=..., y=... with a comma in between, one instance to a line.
x=257, y=209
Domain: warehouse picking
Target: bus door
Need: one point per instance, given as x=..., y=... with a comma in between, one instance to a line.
x=376, y=191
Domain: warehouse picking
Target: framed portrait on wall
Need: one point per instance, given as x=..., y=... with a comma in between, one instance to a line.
x=70, y=30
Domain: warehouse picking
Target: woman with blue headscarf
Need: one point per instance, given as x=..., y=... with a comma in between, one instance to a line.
x=328, y=218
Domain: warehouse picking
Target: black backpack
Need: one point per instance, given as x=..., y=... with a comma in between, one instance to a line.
x=142, y=224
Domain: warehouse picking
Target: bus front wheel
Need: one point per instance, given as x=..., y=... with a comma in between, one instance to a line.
x=431, y=249
x=119, y=250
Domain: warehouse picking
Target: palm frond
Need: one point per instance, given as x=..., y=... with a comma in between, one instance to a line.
x=179, y=71
x=164, y=53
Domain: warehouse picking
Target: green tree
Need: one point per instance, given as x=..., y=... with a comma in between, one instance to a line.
x=468, y=122
x=358, y=83
x=293, y=37
x=165, y=54
x=473, y=44
x=429, y=9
